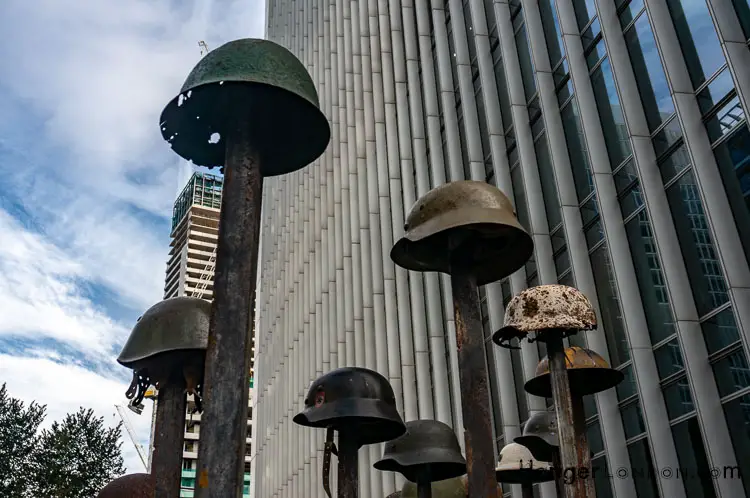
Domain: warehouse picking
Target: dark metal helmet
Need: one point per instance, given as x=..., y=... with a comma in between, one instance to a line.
x=129, y=486
x=457, y=487
x=518, y=466
x=353, y=398
x=429, y=450
x=257, y=83
x=397, y=494
x=545, y=307
x=469, y=217
x=540, y=435
x=588, y=373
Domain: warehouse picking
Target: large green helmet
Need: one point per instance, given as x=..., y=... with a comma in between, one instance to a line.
x=588, y=373
x=353, y=398
x=471, y=218
x=540, y=435
x=253, y=81
x=457, y=487
x=428, y=450
x=129, y=486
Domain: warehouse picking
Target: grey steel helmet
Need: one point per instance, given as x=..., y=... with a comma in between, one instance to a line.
x=428, y=450
x=540, y=435
x=471, y=218
x=588, y=373
x=129, y=486
x=169, y=339
x=545, y=307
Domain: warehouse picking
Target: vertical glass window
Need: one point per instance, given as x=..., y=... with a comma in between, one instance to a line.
x=733, y=159
x=629, y=11
x=519, y=194
x=669, y=359
x=732, y=373
x=526, y=63
x=585, y=10
x=692, y=456
x=742, y=7
x=628, y=386
x=609, y=305
x=547, y=178
x=551, y=31
x=678, y=398
x=737, y=413
x=696, y=243
x=600, y=473
x=649, y=73
x=632, y=420
x=610, y=112
x=642, y=469
x=720, y=331
x=579, y=158
x=698, y=39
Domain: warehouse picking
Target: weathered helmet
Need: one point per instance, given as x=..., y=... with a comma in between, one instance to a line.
x=428, y=450
x=259, y=84
x=472, y=218
x=457, y=487
x=540, y=435
x=588, y=373
x=545, y=307
x=172, y=335
x=397, y=494
x=518, y=466
x=353, y=398
x=129, y=486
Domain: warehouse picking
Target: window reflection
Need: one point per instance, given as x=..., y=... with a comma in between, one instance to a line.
x=691, y=455
x=600, y=473
x=585, y=10
x=715, y=91
x=524, y=59
x=613, y=122
x=737, y=413
x=630, y=11
x=632, y=420
x=732, y=373
x=594, y=437
x=742, y=7
x=547, y=179
x=609, y=305
x=576, y=142
x=669, y=359
x=678, y=398
x=642, y=469
x=551, y=31
x=720, y=331
x=627, y=387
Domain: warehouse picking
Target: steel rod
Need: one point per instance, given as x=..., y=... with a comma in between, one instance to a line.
x=424, y=489
x=475, y=397
x=348, y=455
x=221, y=453
x=166, y=465
x=574, y=488
x=584, y=453
x=527, y=490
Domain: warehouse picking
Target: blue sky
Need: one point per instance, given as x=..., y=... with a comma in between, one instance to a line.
x=87, y=184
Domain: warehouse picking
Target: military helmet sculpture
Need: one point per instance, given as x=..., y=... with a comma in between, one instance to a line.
x=588, y=373
x=540, y=435
x=253, y=82
x=543, y=308
x=457, y=487
x=517, y=465
x=428, y=451
x=169, y=339
x=470, y=218
x=129, y=486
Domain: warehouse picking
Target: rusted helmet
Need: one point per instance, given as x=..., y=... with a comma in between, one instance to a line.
x=545, y=307
x=129, y=486
x=169, y=339
x=428, y=450
x=470, y=220
x=540, y=435
x=397, y=494
x=588, y=373
x=253, y=84
x=518, y=466
x=353, y=398
x=457, y=487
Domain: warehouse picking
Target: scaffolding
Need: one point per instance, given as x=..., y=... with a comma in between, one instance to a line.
x=202, y=189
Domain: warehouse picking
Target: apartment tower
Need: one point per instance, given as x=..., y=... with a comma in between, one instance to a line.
x=617, y=128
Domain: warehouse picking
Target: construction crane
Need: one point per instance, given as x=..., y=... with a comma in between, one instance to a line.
x=131, y=433
x=203, y=47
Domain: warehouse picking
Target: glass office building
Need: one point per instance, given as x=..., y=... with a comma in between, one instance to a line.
x=617, y=128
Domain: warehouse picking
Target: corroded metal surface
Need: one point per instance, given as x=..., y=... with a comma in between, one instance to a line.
x=221, y=454
x=261, y=83
x=129, y=486
x=518, y=466
x=469, y=217
x=584, y=452
x=546, y=307
x=169, y=430
x=348, y=475
x=588, y=373
x=449, y=488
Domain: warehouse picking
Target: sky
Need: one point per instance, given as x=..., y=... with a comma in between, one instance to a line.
x=87, y=185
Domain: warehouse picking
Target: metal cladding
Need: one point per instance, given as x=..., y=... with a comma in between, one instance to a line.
x=540, y=435
x=129, y=486
x=456, y=487
x=546, y=307
x=255, y=81
x=518, y=466
x=588, y=373
x=429, y=450
x=353, y=398
x=468, y=218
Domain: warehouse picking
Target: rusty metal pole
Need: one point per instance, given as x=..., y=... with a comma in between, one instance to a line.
x=564, y=410
x=424, y=488
x=475, y=397
x=166, y=465
x=558, y=473
x=221, y=453
x=584, y=453
x=348, y=454
x=527, y=490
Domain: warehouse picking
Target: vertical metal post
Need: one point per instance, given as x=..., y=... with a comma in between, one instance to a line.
x=584, y=453
x=576, y=488
x=475, y=397
x=166, y=465
x=424, y=488
x=348, y=454
x=527, y=490
x=221, y=453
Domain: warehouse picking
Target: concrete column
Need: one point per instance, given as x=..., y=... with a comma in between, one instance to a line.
x=734, y=43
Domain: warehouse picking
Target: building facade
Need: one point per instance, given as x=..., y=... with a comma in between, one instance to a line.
x=190, y=272
x=617, y=128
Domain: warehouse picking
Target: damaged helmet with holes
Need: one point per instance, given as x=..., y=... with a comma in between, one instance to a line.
x=466, y=223
x=457, y=487
x=429, y=451
x=129, y=486
x=355, y=399
x=540, y=435
x=255, y=92
x=518, y=466
x=588, y=373
x=167, y=344
x=543, y=308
